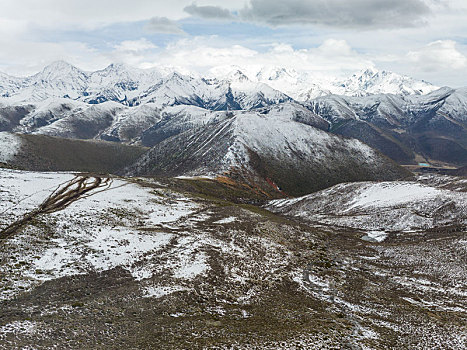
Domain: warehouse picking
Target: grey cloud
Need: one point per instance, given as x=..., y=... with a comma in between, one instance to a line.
x=163, y=25
x=208, y=12
x=338, y=13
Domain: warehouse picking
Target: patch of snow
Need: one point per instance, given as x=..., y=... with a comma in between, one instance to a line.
x=193, y=268
x=162, y=291
x=201, y=177
x=228, y=220
x=10, y=145
x=378, y=236
x=245, y=314
x=23, y=191
x=392, y=194
x=18, y=327
x=120, y=247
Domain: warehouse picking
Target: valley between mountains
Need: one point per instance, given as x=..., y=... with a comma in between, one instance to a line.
x=240, y=209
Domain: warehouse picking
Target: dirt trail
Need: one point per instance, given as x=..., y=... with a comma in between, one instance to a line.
x=61, y=197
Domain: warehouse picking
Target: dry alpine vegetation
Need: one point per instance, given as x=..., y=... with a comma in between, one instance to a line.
x=187, y=263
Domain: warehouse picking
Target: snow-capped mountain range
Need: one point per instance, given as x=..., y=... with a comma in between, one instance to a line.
x=304, y=86
x=222, y=88
x=407, y=120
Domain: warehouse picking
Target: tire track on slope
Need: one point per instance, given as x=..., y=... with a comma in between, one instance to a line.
x=64, y=195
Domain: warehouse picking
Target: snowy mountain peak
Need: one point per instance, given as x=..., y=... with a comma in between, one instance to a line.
x=274, y=73
x=59, y=70
x=237, y=76
x=118, y=66
x=371, y=81
x=122, y=68
x=177, y=77
x=58, y=79
x=369, y=72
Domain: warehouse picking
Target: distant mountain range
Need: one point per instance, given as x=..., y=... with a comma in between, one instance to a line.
x=223, y=87
x=259, y=125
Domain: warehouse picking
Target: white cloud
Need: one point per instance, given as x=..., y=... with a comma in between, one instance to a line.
x=94, y=14
x=135, y=45
x=438, y=55
x=208, y=12
x=132, y=52
x=89, y=13
x=200, y=54
x=163, y=25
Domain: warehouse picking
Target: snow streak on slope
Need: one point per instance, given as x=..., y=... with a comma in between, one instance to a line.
x=10, y=144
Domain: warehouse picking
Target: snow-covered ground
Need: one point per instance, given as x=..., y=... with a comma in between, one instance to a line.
x=387, y=194
x=138, y=255
x=96, y=233
x=138, y=225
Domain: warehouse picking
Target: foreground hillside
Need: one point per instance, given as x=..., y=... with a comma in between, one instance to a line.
x=181, y=263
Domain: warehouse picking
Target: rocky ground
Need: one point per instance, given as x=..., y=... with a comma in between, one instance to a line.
x=191, y=263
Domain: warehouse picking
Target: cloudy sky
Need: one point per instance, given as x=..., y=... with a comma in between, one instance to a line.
x=426, y=39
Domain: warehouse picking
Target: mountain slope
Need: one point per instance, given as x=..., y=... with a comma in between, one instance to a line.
x=269, y=146
x=109, y=121
x=382, y=209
